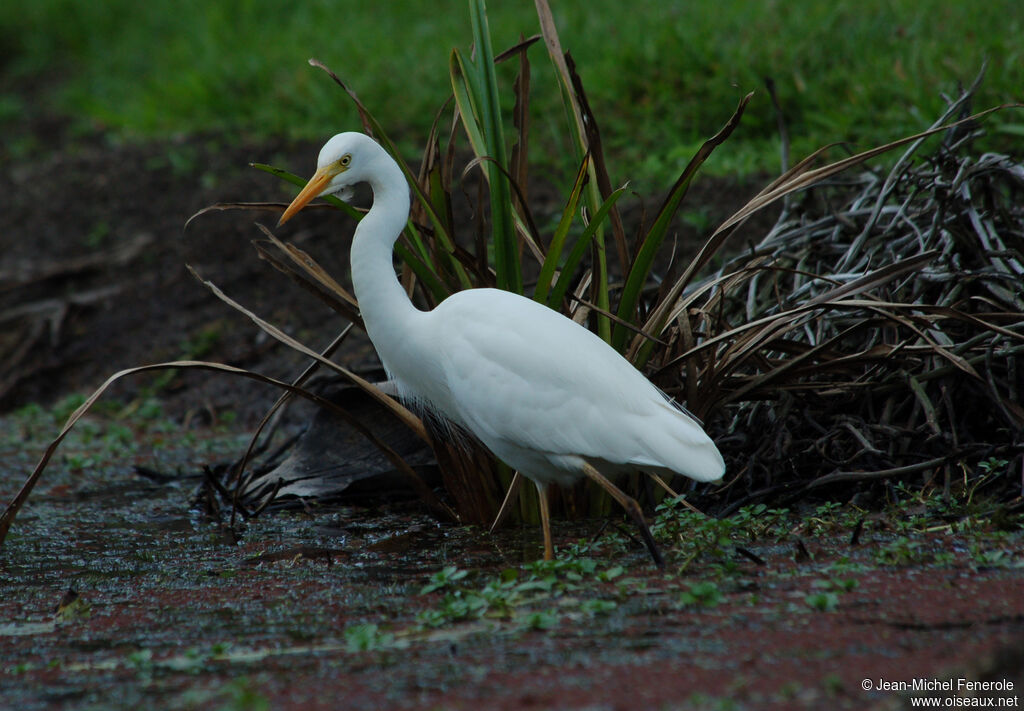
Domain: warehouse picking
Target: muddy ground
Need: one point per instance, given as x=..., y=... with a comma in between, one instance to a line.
x=326, y=608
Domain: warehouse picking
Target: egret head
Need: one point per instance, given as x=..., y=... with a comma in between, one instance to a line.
x=344, y=161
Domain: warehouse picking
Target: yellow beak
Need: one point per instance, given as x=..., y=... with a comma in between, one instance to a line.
x=316, y=185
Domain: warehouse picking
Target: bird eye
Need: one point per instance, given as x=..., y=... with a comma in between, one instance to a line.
x=345, y=160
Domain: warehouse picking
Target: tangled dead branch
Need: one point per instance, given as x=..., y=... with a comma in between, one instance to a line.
x=877, y=330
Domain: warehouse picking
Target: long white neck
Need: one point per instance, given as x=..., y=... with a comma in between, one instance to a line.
x=388, y=313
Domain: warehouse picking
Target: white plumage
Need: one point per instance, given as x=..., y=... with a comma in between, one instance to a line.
x=543, y=393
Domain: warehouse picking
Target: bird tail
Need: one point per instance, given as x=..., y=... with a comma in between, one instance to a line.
x=685, y=449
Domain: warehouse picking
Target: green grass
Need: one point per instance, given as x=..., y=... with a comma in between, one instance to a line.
x=661, y=76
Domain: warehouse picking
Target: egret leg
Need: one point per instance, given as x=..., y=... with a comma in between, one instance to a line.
x=545, y=520
x=632, y=508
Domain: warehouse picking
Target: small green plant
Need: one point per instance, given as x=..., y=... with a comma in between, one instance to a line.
x=842, y=584
x=540, y=620
x=993, y=465
x=830, y=516
x=827, y=509
x=828, y=591
x=823, y=601
x=142, y=662
x=19, y=668
x=904, y=551
x=242, y=695
x=725, y=567
x=901, y=551
x=703, y=702
x=368, y=638
x=97, y=234
x=79, y=462
x=598, y=607
x=192, y=661
x=444, y=578
x=832, y=684
x=759, y=521
x=695, y=532
x=497, y=598
x=843, y=566
x=610, y=574
x=694, y=535
x=997, y=558
x=703, y=594
x=515, y=595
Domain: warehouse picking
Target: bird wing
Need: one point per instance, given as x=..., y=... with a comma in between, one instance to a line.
x=531, y=383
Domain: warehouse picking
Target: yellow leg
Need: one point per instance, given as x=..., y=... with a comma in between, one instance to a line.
x=632, y=508
x=545, y=521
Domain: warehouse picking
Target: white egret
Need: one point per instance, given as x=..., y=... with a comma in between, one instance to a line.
x=541, y=392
